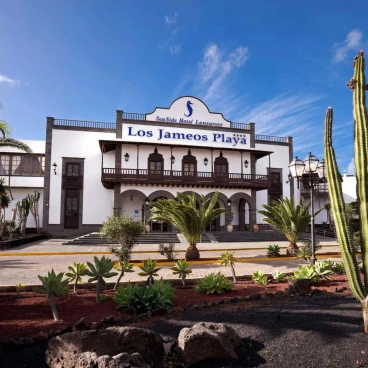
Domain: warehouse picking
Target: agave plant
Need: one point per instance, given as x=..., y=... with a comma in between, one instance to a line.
x=149, y=269
x=228, y=259
x=273, y=250
x=306, y=272
x=123, y=267
x=181, y=268
x=53, y=285
x=338, y=268
x=136, y=298
x=76, y=272
x=100, y=270
x=278, y=276
x=260, y=278
x=324, y=269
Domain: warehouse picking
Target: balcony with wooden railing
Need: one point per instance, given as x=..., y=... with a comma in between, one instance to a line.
x=110, y=176
x=72, y=182
x=320, y=189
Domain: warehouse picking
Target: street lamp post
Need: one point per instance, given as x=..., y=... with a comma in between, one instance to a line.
x=310, y=165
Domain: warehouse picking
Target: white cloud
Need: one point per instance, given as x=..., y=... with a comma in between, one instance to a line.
x=351, y=168
x=352, y=42
x=175, y=49
x=12, y=82
x=171, y=20
x=215, y=71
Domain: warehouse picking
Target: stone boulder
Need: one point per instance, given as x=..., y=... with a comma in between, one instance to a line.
x=123, y=360
x=63, y=351
x=208, y=340
x=300, y=286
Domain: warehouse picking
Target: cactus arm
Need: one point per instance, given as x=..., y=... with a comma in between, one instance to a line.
x=338, y=210
x=361, y=154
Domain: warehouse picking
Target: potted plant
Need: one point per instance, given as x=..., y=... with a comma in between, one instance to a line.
x=230, y=218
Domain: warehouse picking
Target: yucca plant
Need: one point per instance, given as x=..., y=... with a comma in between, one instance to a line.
x=358, y=285
x=181, y=268
x=149, y=269
x=278, y=276
x=123, y=267
x=75, y=273
x=136, y=298
x=184, y=214
x=228, y=259
x=100, y=270
x=215, y=283
x=53, y=285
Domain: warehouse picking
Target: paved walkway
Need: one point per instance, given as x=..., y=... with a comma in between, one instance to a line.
x=24, y=263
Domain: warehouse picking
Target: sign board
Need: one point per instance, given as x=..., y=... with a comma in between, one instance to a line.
x=188, y=110
x=184, y=136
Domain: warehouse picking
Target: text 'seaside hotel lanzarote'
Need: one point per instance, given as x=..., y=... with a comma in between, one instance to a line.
x=122, y=167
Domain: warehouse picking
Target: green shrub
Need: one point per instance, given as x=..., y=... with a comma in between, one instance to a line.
x=273, y=250
x=149, y=269
x=338, y=268
x=181, y=268
x=168, y=250
x=278, y=276
x=9, y=228
x=260, y=278
x=140, y=299
x=213, y=283
x=322, y=269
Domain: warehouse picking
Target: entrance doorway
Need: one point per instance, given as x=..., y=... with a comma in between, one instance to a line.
x=215, y=224
x=158, y=226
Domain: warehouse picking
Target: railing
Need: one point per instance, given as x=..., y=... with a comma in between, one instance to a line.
x=182, y=177
x=321, y=188
x=133, y=116
x=84, y=124
x=270, y=138
x=72, y=182
x=240, y=126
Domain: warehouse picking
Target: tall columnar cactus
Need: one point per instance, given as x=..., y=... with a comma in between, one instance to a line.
x=358, y=284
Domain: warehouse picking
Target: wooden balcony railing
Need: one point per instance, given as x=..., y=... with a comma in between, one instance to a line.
x=174, y=177
x=319, y=189
x=72, y=182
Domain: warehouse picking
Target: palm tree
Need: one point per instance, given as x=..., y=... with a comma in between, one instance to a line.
x=289, y=219
x=187, y=218
x=5, y=141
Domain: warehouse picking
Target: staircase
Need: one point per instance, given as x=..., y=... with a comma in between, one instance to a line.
x=248, y=236
x=150, y=238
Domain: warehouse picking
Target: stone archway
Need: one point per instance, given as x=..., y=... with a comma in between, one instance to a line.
x=132, y=202
x=221, y=203
x=245, y=199
x=159, y=194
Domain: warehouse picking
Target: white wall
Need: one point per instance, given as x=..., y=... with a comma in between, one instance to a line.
x=36, y=146
x=97, y=200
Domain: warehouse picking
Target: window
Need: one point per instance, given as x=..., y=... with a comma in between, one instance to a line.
x=4, y=164
x=189, y=165
x=221, y=166
x=25, y=165
x=275, y=191
x=155, y=163
x=155, y=167
x=72, y=169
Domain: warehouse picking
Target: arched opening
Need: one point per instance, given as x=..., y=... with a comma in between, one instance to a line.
x=220, y=222
x=157, y=226
x=245, y=207
x=155, y=163
x=132, y=203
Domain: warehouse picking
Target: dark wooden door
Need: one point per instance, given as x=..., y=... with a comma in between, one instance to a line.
x=71, y=217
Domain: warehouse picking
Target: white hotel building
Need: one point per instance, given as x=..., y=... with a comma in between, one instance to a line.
x=88, y=171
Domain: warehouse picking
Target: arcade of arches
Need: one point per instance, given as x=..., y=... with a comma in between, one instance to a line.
x=242, y=205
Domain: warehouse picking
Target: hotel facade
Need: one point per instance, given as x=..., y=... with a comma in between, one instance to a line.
x=94, y=169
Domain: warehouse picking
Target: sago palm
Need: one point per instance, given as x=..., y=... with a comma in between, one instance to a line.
x=187, y=218
x=289, y=219
x=5, y=141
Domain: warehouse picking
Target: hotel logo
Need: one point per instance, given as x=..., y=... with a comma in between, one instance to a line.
x=190, y=109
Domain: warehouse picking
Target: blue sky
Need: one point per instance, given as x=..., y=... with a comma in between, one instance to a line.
x=279, y=64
